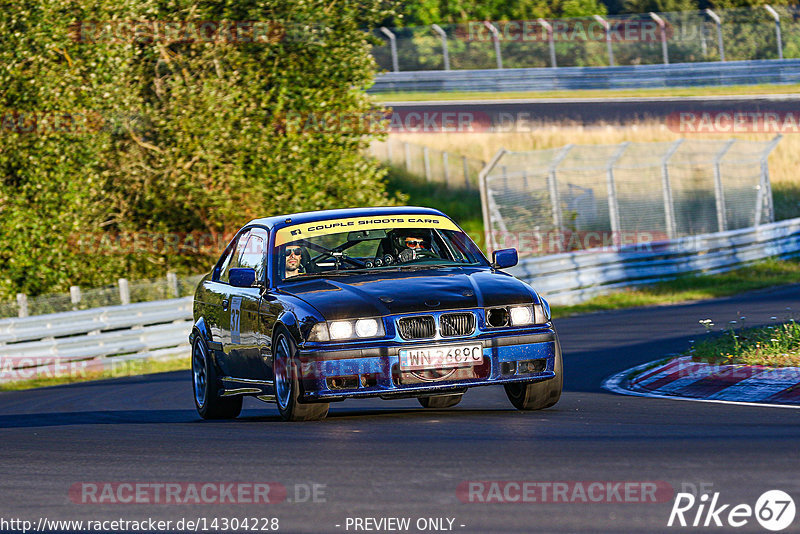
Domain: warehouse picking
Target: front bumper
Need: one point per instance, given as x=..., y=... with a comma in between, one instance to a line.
x=348, y=372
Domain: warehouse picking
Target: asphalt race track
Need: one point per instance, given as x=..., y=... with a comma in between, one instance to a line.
x=502, y=114
x=393, y=459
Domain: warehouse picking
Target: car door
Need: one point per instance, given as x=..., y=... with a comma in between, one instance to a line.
x=216, y=302
x=230, y=314
x=251, y=341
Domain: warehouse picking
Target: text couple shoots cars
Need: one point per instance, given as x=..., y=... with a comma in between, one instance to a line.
x=312, y=308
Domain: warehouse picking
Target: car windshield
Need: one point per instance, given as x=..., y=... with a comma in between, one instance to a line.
x=365, y=244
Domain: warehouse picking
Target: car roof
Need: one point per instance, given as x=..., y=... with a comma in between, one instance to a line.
x=280, y=221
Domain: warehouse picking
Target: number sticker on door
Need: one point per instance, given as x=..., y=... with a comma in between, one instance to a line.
x=236, y=318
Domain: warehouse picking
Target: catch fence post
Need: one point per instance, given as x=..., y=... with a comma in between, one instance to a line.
x=550, y=42
x=607, y=28
x=496, y=39
x=777, y=18
x=426, y=159
x=669, y=205
x=75, y=296
x=663, y=28
x=22, y=305
x=445, y=162
x=719, y=192
x=124, y=291
x=445, y=53
x=393, y=47
x=613, y=207
x=718, y=23
x=172, y=285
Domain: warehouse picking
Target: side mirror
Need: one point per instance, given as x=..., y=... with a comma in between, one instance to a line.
x=502, y=259
x=242, y=277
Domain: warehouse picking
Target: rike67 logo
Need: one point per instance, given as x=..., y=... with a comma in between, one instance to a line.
x=774, y=510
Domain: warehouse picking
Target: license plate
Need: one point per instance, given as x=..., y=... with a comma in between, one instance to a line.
x=441, y=357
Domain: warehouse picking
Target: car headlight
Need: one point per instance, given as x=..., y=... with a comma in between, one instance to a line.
x=516, y=316
x=520, y=315
x=353, y=329
x=341, y=329
x=366, y=328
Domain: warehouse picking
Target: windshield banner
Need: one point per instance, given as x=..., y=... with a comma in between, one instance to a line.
x=335, y=226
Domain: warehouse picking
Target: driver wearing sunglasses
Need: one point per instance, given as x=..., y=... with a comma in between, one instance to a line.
x=294, y=256
x=414, y=242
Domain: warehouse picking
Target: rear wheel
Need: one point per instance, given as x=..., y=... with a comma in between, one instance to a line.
x=206, y=386
x=539, y=395
x=439, y=402
x=287, y=383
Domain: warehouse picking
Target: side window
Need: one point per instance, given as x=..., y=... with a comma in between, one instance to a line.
x=232, y=261
x=253, y=253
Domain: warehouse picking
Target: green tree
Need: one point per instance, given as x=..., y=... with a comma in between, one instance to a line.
x=659, y=6
x=182, y=136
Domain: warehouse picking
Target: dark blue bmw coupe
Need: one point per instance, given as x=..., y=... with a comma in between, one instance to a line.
x=311, y=308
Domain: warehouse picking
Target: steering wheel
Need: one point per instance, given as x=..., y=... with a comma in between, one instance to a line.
x=339, y=257
x=408, y=255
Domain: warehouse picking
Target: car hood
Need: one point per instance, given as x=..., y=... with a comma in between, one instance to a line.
x=398, y=292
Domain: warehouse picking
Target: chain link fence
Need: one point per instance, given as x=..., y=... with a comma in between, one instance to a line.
x=449, y=168
x=640, y=39
x=124, y=292
x=584, y=197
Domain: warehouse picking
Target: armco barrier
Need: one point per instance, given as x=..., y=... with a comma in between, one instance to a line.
x=771, y=71
x=570, y=278
x=156, y=329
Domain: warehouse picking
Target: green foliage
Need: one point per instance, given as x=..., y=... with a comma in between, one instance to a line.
x=658, y=6
x=776, y=345
x=191, y=135
x=427, y=12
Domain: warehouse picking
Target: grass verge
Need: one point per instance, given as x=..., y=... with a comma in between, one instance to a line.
x=777, y=345
x=118, y=370
x=766, y=273
x=733, y=90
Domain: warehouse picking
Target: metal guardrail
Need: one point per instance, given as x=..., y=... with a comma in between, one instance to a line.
x=35, y=346
x=571, y=278
x=771, y=71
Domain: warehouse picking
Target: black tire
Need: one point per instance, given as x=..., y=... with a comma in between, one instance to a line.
x=206, y=386
x=287, y=383
x=438, y=402
x=539, y=395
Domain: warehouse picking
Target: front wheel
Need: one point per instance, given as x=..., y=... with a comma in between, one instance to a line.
x=438, y=402
x=287, y=384
x=206, y=386
x=539, y=395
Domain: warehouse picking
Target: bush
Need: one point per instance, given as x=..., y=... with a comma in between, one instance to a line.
x=171, y=138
